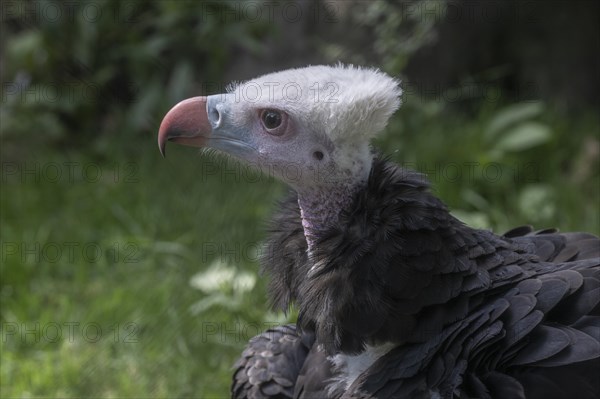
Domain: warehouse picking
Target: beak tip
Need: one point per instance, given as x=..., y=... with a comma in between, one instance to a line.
x=162, y=148
x=162, y=145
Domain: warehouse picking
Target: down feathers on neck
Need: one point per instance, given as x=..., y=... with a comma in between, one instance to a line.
x=319, y=282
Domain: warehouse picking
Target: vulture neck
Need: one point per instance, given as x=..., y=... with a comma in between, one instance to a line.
x=320, y=208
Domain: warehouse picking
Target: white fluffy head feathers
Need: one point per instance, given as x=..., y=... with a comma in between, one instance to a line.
x=343, y=102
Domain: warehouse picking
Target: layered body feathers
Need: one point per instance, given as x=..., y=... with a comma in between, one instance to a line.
x=460, y=312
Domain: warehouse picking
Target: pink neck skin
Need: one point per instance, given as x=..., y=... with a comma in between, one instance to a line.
x=320, y=208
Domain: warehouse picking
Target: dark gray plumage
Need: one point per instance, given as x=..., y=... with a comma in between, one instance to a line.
x=271, y=363
x=474, y=314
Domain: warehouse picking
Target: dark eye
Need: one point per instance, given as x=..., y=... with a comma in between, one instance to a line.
x=271, y=118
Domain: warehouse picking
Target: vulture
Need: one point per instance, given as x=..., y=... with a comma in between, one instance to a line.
x=396, y=298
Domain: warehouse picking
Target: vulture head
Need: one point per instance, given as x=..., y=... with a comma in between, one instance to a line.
x=309, y=127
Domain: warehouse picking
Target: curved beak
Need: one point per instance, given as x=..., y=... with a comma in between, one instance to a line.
x=186, y=123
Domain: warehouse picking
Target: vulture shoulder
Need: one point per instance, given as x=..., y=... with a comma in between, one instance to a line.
x=271, y=363
x=281, y=363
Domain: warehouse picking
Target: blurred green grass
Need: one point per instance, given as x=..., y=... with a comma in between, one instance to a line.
x=117, y=254
x=96, y=290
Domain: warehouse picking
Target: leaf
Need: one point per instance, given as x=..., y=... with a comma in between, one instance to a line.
x=215, y=299
x=537, y=203
x=524, y=136
x=511, y=115
x=478, y=220
x=25, y=50
x=475, y=199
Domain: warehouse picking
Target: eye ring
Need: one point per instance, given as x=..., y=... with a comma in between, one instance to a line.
x=273, y=121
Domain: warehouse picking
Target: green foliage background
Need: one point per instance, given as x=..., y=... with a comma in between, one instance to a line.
x=126, y=275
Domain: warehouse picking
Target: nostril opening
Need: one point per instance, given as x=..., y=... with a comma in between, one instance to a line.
x=214, y=116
